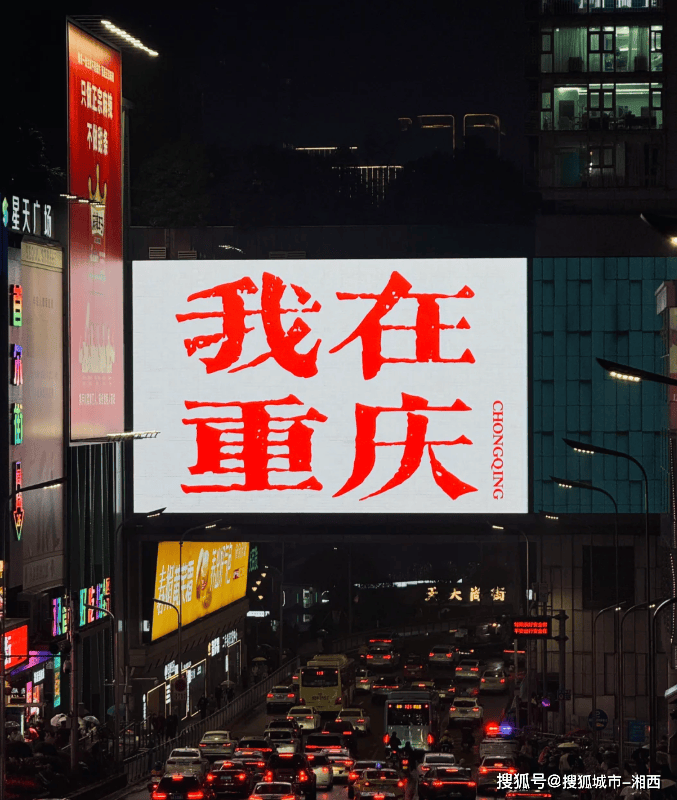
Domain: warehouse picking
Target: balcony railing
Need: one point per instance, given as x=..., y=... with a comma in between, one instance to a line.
x=554, y=7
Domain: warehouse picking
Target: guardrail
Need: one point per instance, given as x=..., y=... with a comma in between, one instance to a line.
x=357, y=639
x=142, y=762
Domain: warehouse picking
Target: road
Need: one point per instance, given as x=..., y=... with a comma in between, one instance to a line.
x=369, y=747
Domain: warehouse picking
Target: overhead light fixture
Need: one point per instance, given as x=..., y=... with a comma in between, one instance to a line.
x=157, y=513
x=551, y=516
x=583, y=450
x=263, y=574
x=673, y=240
x=128, y=37
x=498, y=527
x=260, y=597
x=207, y=527
x=621, y=377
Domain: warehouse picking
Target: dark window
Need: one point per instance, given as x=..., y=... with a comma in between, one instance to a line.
x=599, y=576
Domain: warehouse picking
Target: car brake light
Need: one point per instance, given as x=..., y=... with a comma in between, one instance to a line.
x=401, y=783
x=476, y=709
x=502, y=680
x=453, y=708
x=290, y=695
x=458, y=669
x=255, y=797
x=360, y=720
x=324, y=769
x=430, y=738
x=387, y=657
x=301, y=701
x=379, y=797
x=437, y=783
x=242, y=776
x=268, y=777
x=484, y=680
x=370, y=656
x=288, y=797
x=347, y=733
x=270, y=694
x=512, y=771
x=483, y=770
x=159, y=796
x=177, y=777
x=303, y=776
x=430, y=655
x=260, y=763
x=202, y=745
x=211, y=778
x=195, y=795
x=386, y=738
x=353, y=776
x=471, y=783
x=366, y=783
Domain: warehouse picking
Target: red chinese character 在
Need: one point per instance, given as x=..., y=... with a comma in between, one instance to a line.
x=253, y=440
x=233, y=315
x=427, y=327
x=414, y=445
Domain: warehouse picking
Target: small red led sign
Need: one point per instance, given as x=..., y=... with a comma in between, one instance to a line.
x=532, y=627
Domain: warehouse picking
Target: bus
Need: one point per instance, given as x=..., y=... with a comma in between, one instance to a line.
x=416, y=717
x=327, y=683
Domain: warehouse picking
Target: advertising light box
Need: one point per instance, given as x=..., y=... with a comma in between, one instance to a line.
x=332, y=386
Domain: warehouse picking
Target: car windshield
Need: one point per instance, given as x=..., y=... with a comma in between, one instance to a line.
x=318, y=761
x=273, y=788
x=281, y=735
x=351, y=712
x=460, y=703
x=300, y=710
x=492, y=674
x=216, y=737
x=450, y=772
x=185, y=753
x=280, y=689
x=184, y=762
x=440, y=759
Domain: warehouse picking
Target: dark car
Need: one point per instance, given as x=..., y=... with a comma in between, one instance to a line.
x=254, y=761
x=260, y=744
x=294, y=768
x=343, y=728
x=447, y=782
x=231, y=781
x=414, y=667
x=183, y=787
x=286, y=724
x=325, y=741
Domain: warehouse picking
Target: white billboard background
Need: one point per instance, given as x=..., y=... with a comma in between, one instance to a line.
x=165, y=377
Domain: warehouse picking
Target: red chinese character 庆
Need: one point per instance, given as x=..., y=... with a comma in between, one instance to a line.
x=414, y=444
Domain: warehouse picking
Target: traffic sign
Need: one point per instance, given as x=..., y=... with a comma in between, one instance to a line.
x=179, y=687
x=598, y=720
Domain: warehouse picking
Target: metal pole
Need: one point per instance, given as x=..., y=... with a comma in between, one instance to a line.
x=282, y=607
x=654, y=710
x=527, y=654
x=561, y=639
x=178, y=630
x=594, y=673
x=178, y=622
x=75, y=706
x=516, y=690
x=350, y=590
x=116, y=683
x=621, y=685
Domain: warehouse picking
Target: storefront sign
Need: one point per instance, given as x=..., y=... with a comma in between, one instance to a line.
x=214, y=647
x=98, y=595
x=96, y=292
x=17, y=365
x=30, y=216
x=39, y=675
x=16, y=313
x=56, y=702
x=171, y=669
x=230, y=638
x=16, y=641
x=18, y=509
x=258, y=613
x=37, y=657
x=203, y=576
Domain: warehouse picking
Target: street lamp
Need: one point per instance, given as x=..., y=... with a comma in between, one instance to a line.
x=615, y=607
x=116, y=669
x=178, y=630
x=592, y=449
x=654, y=709
x=280, y=575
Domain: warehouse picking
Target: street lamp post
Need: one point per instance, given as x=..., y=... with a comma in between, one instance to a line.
x=621, y=684
x=178, y=628
x=116, y=669
x=615, y=607
x=3, y=613
x=280, y=575
x=652, y=683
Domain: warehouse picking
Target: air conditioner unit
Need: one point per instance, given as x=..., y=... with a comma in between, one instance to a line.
x=184, y=255
x=157, y=253
x=287, y=254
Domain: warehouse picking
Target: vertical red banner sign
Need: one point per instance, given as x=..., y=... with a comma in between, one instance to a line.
x=95, y=270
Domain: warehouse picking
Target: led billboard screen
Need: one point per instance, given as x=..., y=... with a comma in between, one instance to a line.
x=382, y=386
x=213, y=575
x=95, y=274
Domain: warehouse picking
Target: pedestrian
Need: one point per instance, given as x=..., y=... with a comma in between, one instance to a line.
x=172, y=724
x=202, y=706
x=230, y=692
x=218, y=695
x=211, y=704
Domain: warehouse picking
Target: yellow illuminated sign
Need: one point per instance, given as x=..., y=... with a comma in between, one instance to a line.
x=201, y=579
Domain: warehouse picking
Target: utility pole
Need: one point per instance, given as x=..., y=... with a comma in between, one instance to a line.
x=562, y=639
x=75, y=705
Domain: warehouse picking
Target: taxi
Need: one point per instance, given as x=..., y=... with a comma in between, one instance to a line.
x=307, y=717
x=361, y=722
x=378, y=784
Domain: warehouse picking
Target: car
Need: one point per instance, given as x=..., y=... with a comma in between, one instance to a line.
x=321, y=765
x=468, y=668
x=359, y=767
x=499, y=746
x=382, y=657
x=378, y=783
x=276, y=790
x=341, y=762
x=295, y=768
x=345, y=729
x=331, y=742
x=361, y=721
x=284, y=724
x=446, y=689
x=254, y=761
x=234, y=780
x=466, y=708
x=217, y=744
x=492, y=765
x=488, y=789
x=261, y=744
x=441, y=655
x=281, y=698
x=417, y=686
x=432, y=760
x=494, y=680
x=306, y=717
x=414, y=667
x=185, y=752
x=285, y=741
x=467, y=688
x=363, y=680
x=187, y=766
x=447, y=782
x=183, y=787
x=381, y=688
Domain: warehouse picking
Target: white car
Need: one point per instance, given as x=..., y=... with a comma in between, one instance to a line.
x=441, y=655
x=494, y=680
x=273, y=790
x=284, y=741
x=307, y=717
x=382, y=658
x=431, y=760
x=468, y=668
x=466, y=708
x=217, y=744
x=185, y=752
x=280, y=698
x=341, y=763
x=186, y=766
x=322, y=767
x=363, y=680
x=361, y=722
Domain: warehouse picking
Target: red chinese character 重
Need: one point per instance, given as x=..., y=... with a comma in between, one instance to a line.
x=233, y=315
x=414, y=445
x=427, y=326
x=246, y=439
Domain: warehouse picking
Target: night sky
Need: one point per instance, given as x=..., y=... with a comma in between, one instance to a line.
x=304, y=72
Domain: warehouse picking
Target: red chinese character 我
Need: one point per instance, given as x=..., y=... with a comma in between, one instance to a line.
x=427, y=326
x=233, y=315
x=247, y=442
x=414, y=446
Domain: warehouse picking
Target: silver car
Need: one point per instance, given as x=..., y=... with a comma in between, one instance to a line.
x=466, y=708
x=321, y=766
x=284, y=741
x=217, y=744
